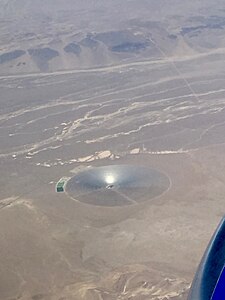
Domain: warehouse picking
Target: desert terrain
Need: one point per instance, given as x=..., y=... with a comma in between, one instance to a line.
x=87, y=84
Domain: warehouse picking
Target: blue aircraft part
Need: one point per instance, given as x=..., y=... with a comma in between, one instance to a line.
x=209, y=281
x=219, y=291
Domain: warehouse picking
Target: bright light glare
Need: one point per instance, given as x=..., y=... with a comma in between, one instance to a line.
x=110, y=179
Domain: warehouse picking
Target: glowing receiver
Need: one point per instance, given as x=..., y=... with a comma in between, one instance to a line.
x=209, y=281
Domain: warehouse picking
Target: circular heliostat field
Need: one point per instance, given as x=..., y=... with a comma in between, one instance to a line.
x=117, y=185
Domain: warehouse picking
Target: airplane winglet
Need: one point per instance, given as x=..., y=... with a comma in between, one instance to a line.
x=209, y=281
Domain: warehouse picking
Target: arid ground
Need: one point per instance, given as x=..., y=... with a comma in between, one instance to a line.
x=95, y=83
